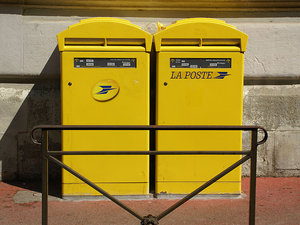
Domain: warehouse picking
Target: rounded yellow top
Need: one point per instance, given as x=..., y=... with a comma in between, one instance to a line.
x=104, y=34
x=201, y=31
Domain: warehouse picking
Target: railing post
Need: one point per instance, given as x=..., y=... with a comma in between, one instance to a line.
x=253, y=163
x=44, y=147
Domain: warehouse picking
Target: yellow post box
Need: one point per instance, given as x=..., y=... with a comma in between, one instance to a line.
x=199, y=82
x=105, y=81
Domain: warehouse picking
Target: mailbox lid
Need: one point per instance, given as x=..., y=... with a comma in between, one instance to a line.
x=200, y=34
x=104, y=34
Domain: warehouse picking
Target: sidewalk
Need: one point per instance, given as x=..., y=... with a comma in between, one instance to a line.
x=278, y=203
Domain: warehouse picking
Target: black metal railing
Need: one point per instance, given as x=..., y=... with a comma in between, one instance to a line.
x=150, y=219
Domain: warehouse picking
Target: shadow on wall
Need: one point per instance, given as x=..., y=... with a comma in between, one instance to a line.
x=21, y=159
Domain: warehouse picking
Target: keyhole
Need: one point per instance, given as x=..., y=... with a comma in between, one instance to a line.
x=70, y=84
x=165, y=83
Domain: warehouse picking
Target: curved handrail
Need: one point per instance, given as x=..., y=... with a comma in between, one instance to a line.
x=33, y=139
x=265, y=136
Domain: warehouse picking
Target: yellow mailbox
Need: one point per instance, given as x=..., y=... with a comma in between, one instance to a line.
x=105, y=81
x=199, y=82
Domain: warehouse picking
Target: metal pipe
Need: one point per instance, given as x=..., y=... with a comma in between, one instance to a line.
x=145, y=127
x=44, y=148
x=91, y=184
x=253, y=177
x=202, y=187
x=148, y=152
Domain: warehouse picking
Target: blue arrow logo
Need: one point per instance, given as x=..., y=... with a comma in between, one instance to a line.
x=222, y=75
x=105, y=89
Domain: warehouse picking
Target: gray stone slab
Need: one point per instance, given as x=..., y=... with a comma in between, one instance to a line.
x=11, y=44
x=11, y=99
x=273, y=107
x=39, y=45
x=27, y=43
x=22, y=107
x=272, y=49
x=13, y=119
x=265, y=155
x=287, y=150
x=272, y=46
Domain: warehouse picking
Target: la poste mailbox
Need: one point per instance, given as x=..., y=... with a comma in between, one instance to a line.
x=199, y=82
x=105, y=81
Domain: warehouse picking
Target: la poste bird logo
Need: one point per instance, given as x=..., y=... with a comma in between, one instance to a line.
x=105, y=90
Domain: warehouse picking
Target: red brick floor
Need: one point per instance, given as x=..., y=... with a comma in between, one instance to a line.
x=278, y=203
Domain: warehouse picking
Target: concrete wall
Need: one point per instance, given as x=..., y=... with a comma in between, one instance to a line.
x=30, y=90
